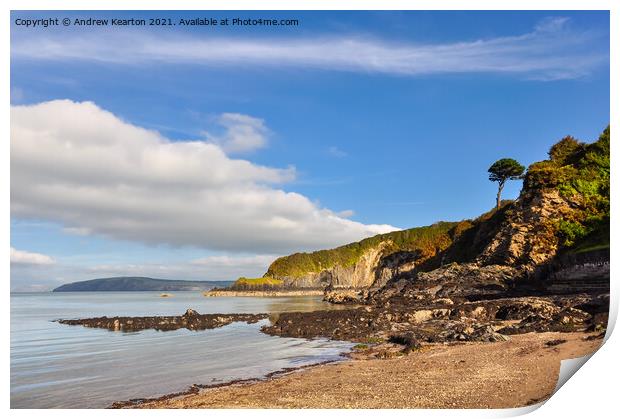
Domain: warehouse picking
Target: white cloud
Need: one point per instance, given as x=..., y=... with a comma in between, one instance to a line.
x=346, y=213
x=81, y=166
x=552, y=50
x=552, y=24
x=226, y=260
x=22, y=257
x=336, y=152
x=209, y=268
x=243, y=133
x=77, y=231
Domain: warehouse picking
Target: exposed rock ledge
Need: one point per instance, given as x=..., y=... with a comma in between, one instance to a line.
x=445, y=320
x=191, y=320
x=271, y=293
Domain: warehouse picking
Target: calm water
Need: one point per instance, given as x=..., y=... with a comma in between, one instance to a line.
x=54, y=365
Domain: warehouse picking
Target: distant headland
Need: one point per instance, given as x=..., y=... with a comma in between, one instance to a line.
x=138, y=283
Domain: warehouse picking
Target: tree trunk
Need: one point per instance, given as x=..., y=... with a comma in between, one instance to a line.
x=499, y=194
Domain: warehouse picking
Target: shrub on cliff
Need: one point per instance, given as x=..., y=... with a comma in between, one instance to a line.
x=581, y=174
x=566, y=151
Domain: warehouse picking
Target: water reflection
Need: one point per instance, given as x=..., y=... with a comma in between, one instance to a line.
x=54, y=365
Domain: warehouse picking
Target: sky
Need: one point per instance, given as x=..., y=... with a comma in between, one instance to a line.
x=204, y=152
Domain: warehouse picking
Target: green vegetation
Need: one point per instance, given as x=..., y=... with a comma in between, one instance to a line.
x=502, y=171
x=597, y=239
x=254, y=284
x=581, y=173
x=432, y=245
x=426, y=241
x=471, y=237
x=360, y=347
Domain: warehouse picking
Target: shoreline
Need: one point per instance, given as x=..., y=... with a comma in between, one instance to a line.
x=194, y=389
x=283, y=293
x=515, y=373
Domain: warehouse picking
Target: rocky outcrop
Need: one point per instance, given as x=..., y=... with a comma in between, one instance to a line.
x=191, y=320
x=364, y=273
x=395, y=265
x=527, y=237
x=348, y=296
x=518, y=240
x=455, y=282
x=579, y=272
x=432, y=320
x=562, y=208
x=590, y=277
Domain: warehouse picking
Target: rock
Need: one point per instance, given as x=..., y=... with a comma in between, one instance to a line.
x=526, y=237
x=420, y=316
x=566, y=320
x=479, y=312
x=555, y=342
x=362, y=274
x=191, y=320
x=519, y=309
x=408, y=340
x=350, y=296
x=443, y=301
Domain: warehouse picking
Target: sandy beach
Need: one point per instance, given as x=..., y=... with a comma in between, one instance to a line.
x=515, y=373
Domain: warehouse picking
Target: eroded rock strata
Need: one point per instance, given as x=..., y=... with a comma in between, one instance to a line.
x=446, y=320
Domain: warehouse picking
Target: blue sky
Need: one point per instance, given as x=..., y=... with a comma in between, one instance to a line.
x=349, y=124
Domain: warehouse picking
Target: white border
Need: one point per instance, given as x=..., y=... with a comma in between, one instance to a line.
x=592, y=393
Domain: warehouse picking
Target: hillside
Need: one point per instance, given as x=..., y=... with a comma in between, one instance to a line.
x=423, y=240
x=562, y=209
x=130, y=283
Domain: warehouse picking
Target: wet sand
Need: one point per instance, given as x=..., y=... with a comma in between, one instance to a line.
x=515, y=373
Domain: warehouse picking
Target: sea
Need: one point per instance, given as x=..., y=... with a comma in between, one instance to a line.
x=61, y=366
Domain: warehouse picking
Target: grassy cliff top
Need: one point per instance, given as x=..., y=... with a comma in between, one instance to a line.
x=424, y=240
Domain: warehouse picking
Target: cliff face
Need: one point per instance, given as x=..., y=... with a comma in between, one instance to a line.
x=364, y=273
x=368, y=263
x=527, y=237
x=563, y=208
x=422, y=241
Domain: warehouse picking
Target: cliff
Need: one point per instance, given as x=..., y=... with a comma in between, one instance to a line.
x=554, y=239
x=563, y=208
x=538, y=264
x=369, y=262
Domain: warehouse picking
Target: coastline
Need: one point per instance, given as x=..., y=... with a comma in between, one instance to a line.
x=514, y=373
x=195, y=389
x=284, y=293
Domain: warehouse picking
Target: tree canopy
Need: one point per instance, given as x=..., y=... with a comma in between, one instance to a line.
x=503, y=170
